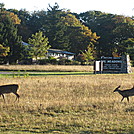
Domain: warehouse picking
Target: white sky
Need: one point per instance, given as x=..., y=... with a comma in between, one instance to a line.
x=122, y=7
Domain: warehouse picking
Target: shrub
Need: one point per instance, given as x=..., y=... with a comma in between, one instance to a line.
x=49, y=60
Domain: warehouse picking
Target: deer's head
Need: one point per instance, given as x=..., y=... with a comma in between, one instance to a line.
x=116, y=89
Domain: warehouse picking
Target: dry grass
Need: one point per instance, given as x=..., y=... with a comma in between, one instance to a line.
x=48, y=68
x=68, y=104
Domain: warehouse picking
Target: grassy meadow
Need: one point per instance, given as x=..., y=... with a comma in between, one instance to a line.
x=47, y=68
x=67, y=104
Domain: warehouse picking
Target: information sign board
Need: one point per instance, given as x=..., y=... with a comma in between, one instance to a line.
x=113, y=65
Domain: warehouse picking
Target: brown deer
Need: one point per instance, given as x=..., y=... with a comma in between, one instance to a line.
x=12, y=88
x=125, y=93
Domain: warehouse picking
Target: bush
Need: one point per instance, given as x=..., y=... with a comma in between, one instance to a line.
x=42, y=61
x=61, y=61
x=50, y=60
x=74, y=62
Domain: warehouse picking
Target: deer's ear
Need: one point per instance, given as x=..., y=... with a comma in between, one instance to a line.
x=119, y=86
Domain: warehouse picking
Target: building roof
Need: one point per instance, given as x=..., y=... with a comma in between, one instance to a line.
x=24, y=43
x=60, y=51
x=54, y=50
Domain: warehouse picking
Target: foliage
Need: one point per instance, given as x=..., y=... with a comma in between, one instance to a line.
x=81, y=58
x=80, y=36
x=4, y=51
x=24, y=29
x=54, y=29
x=88, y=54
x=9, y=37
x=49, y=60
x=53, y=61
x=112, y=29
x=38, y=45
x=14, y=18
x=105, y=33
x=4, y=13
x=129, y=43
x=63, y=29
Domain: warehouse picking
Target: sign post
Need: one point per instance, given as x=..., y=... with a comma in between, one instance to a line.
x=113, y=65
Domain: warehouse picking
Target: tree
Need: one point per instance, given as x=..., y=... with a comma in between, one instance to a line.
x=11, y=15
x=24, y=29
x=9, y=36
x=38, y=45
x=80, y=36
x=4, y=51
x=112, y=29
x=66, y=32
x=123, y=32
x=129, y=48
x=102, y=24
x=62, y=28
x=2, y=7
x=88, y=54
x=54, y=28
x=81, y=58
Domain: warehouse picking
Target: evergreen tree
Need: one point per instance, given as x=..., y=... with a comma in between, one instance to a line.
x=38, y=45
x=54, y=29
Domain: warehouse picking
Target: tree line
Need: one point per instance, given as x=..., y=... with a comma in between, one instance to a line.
x=89, y=35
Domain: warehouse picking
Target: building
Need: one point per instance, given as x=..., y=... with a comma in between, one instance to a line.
x=56, y=53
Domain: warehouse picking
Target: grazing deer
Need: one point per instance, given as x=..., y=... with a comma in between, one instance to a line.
x=125, y=93
x=12, y=88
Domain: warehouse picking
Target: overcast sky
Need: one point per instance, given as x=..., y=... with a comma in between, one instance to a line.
x=122, y=7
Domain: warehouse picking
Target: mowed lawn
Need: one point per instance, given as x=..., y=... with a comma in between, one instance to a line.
x=67, y=104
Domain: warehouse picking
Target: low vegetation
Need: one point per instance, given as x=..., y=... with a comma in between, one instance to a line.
x=47, y=68
x=68, y=104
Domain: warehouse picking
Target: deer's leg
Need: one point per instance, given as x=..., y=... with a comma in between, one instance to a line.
x=122, y=99
x=3, y=97
x=17, y=96
x=128, y=99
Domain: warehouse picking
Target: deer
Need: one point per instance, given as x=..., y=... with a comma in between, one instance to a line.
x=125, y=93
x=11, y=88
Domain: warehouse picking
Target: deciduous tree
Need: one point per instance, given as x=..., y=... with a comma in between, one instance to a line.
x=9, y=36
x=4, y=51
x=112, y=29
x=88, y=54
x=66, y=32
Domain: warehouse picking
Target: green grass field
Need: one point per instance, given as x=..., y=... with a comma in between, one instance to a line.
x=28, y=74
x=68, y=104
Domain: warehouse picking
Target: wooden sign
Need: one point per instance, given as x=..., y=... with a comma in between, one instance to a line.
x=113, y=65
